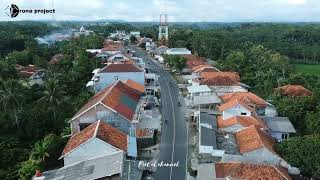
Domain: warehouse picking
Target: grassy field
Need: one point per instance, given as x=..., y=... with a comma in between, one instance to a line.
x=308, y=69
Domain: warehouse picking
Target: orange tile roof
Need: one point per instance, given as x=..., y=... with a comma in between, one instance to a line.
x=26, y=71
x=101, y=130
x=193, y=61
x=250, y=171
x=294, y=90
x=135, y=85
x=204, y=68
x=233, y=103
x=252, y=138
x=118, y=96
x=246, y=97
x=245, y=121
x=232, y=75
x=219, y=81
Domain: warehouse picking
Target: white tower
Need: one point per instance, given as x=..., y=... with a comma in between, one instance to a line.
x=163, y=27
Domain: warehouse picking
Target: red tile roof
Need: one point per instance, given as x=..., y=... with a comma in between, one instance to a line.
x=204, y=68
x=135, y=85
x=252, y=138
x=112, y=46
x=193, y=61
x=219, y=81
x=121, y=68
x=233, y=103
x=26, y=71
x=294, y=90
x=101, y=130
x=246, y=97
x=117, y=97
x=232, y=75
x=245, y=121
x=250, y=171
x=56, y=59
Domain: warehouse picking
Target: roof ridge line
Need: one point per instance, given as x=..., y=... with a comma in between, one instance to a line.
x=96, y=130
x=279, y=172
x=109, y=90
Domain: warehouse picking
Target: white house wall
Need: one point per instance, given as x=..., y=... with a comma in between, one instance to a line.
x=93, y=148
x=235, y=111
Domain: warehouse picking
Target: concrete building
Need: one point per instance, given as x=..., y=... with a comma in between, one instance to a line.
x=178, y=51
x=97, y=140
x=114, y=72
x=279, y=127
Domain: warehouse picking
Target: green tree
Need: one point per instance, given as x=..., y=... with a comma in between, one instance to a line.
x=302, y=152
x=28, y=169
x=11, y=99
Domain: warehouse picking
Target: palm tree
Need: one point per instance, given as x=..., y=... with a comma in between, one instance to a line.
x=53, y=95
x=11, y=98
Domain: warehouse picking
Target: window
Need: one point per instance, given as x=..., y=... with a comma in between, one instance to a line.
x=285, y=136
x=243, y=114
x=116, y=77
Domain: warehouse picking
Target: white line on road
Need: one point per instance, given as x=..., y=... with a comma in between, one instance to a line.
x=174, y=129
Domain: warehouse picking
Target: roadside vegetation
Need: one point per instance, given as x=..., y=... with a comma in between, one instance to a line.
x=33, y=120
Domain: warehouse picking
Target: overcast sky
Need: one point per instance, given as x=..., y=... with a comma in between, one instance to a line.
x=177, y=10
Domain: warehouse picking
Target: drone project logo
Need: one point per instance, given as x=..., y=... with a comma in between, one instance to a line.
x=13, y=11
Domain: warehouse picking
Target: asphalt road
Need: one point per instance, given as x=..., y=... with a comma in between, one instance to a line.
x=173, y=146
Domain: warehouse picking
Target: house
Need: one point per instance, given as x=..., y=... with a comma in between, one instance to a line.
x=235, y=108
x=56, y=59
x=97, y=140
x=246, y=171
x=114, y=72
x=134, y=85
x=118, y=57
x=197, y=70
x=193, y=61
x=201, y=95
x=279, y=127
x=112, y=47
x=118, y=104
x=257, y=146
x=33, y=74
x=210, y=75
x=150, y=46
x=118, y=35
x=294, y=90
x=259, y=104
x=105, y=167
x=82, y=32
x=161, y=50
x=207, y=142
x=178, y=51
x=237, y=123
x=222, y=85
x=135, y=34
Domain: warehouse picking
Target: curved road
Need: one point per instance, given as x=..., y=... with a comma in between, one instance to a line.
x=173, y=146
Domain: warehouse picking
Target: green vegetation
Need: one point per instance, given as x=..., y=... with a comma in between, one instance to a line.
x=313, y=69
x=176, y=62
x=33, y=119
x=299, y=151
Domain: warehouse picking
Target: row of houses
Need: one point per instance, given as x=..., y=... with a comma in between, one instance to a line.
x=106, y=131
x=235, y=129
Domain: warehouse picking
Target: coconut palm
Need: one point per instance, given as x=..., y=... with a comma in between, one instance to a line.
x=11, y=98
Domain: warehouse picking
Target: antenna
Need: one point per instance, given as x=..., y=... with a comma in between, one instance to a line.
x=163, y=24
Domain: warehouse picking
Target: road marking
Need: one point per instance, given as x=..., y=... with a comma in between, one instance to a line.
x=174, y=129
